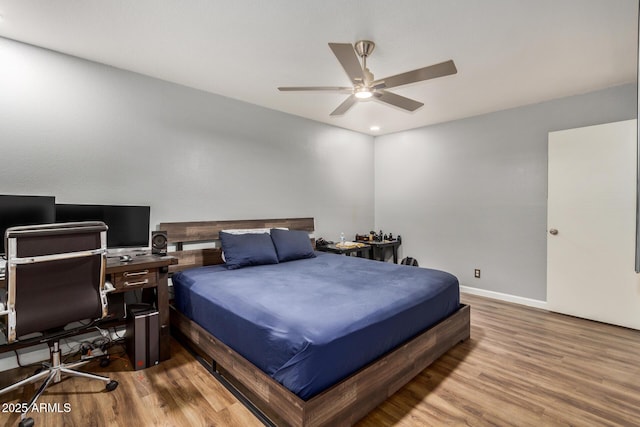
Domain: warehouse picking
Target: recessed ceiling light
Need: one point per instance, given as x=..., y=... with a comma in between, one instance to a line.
x=374, y=128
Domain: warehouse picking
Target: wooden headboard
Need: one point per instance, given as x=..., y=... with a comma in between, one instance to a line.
x=181, y=233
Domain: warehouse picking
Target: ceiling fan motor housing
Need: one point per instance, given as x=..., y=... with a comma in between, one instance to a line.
x=364, y=48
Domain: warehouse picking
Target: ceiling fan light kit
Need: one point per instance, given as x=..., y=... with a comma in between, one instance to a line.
x=363, y=93
x=364, y=86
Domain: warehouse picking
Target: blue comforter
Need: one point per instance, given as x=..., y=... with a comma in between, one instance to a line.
x=310, y=323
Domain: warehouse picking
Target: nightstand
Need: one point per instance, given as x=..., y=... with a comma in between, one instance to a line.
x=379, y=249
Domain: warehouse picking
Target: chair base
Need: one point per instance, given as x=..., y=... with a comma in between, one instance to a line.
x=52, y=372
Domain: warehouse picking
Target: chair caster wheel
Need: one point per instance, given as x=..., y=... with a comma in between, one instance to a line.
x=27, y=422
x=112, y=385
x=104, y=362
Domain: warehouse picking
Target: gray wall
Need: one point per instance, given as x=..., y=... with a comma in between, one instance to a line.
x=472, y=193
x=89, y=133
x=465, y=194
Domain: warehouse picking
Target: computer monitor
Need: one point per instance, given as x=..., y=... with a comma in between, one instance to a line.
x=25, y=210
x=128, y=225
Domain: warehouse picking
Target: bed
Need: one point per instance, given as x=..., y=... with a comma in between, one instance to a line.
x=318, y=340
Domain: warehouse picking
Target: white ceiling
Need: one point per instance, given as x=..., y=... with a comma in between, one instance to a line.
x=508, y=52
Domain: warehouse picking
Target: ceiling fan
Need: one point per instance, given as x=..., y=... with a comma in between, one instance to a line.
x=364, y=85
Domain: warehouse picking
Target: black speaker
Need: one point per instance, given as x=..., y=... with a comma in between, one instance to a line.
x=159, y=242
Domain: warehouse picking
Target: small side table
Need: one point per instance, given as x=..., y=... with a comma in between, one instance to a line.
x=379, y=249
x=360, y=251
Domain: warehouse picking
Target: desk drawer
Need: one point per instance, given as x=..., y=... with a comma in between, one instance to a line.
x=136, y=278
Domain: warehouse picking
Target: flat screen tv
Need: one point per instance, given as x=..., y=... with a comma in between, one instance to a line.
x=128, y=225
x=25, y=210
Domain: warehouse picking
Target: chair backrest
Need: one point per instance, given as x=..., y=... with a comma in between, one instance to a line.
x=55, y=275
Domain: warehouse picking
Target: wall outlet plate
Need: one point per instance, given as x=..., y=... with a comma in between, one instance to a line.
x=476, y=273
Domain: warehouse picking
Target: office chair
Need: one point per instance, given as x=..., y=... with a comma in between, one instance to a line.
x=55, y=276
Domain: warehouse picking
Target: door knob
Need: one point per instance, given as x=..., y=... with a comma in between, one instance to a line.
x=553, y=231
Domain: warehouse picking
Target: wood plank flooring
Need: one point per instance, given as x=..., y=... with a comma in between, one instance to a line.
x=521, y=367
x=525, y=367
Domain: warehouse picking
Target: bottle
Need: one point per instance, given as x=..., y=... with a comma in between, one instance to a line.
x=342, y=238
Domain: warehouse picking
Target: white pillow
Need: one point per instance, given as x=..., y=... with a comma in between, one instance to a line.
x=247, y=231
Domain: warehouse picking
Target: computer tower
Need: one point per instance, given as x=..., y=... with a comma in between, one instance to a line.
x=143, y=336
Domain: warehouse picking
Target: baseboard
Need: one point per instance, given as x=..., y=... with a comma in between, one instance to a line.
x=505, y=297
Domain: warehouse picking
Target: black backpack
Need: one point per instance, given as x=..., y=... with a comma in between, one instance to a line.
x=410, y=261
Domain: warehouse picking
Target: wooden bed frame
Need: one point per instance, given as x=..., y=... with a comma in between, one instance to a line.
x=342, y=404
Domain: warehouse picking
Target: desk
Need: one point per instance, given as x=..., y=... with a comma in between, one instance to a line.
x=379, y=249
x=146, y=272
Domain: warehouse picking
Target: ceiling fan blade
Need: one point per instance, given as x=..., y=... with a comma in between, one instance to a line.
x=349, y=61
x=397, y=100
x=339, y=89
x=346, y=104
x=431, y=72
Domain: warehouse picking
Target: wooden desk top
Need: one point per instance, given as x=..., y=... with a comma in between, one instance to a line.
x=114, y=265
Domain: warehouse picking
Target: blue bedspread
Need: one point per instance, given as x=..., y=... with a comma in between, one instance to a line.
x=310, y=323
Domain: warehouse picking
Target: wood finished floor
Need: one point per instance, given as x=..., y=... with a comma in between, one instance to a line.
x=521, y=367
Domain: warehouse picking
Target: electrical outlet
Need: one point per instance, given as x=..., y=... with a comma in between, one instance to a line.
x=476, y=273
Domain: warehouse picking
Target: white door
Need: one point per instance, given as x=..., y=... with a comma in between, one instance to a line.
x=592, y=206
